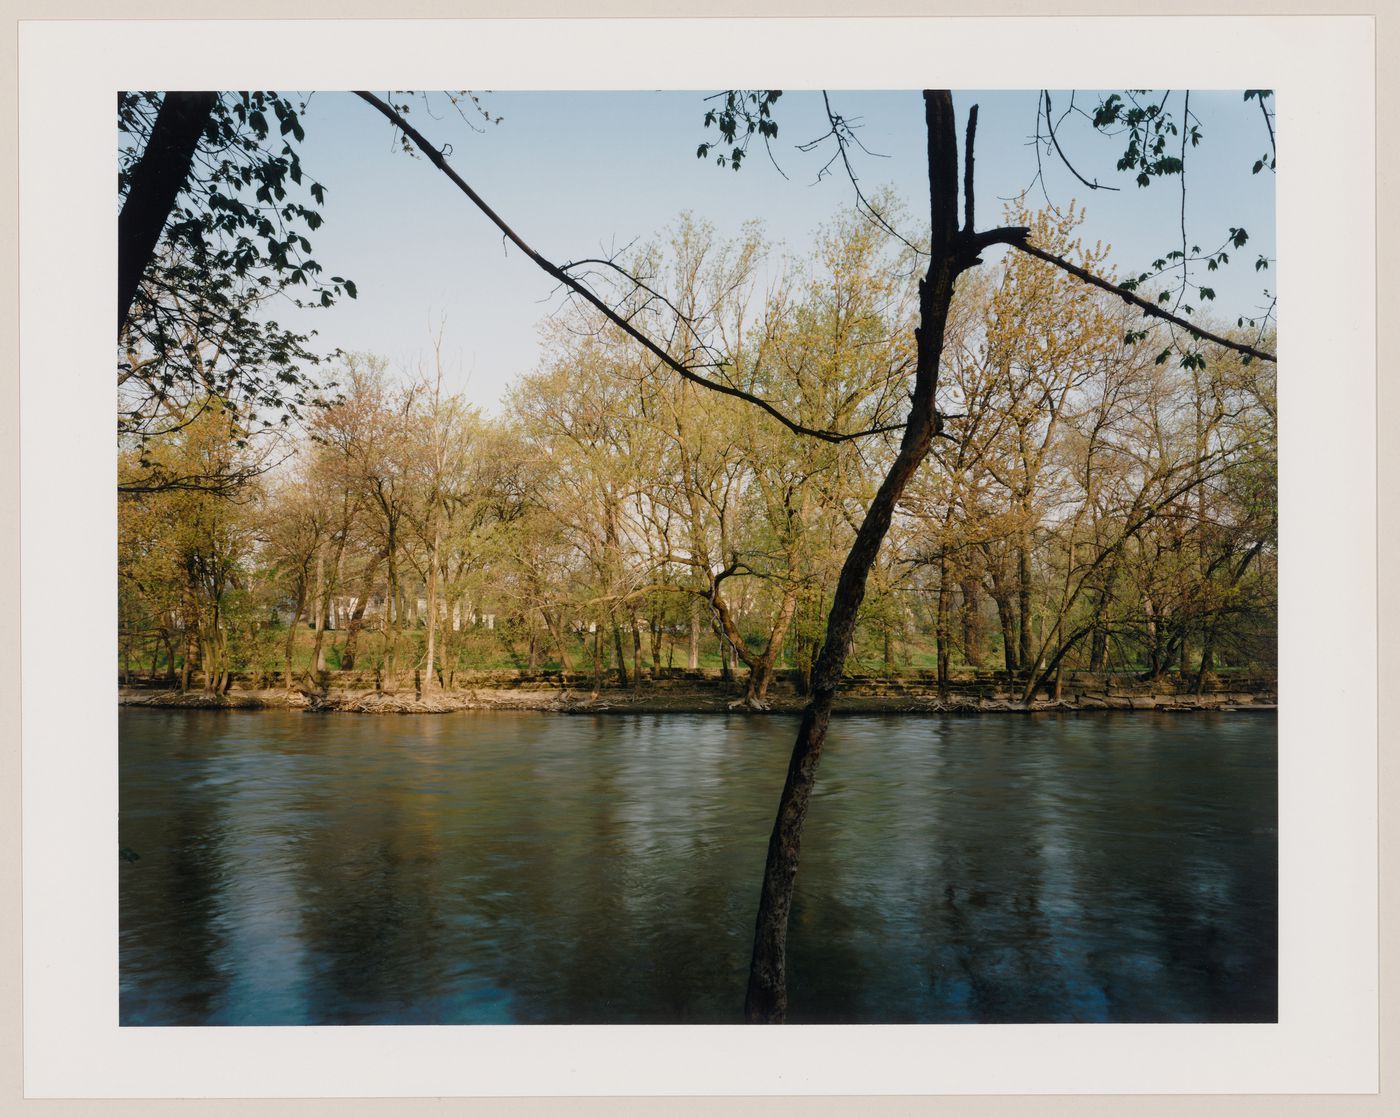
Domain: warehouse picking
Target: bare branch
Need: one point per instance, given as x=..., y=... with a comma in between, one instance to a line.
x=968, y=224
x=435, y=157
x=841, y=132
x=1016, y=236
x=1050, y=127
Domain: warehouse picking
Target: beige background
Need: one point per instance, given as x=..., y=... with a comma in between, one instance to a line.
x=10, y=959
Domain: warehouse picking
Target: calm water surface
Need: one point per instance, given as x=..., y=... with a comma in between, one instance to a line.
x=526, y=868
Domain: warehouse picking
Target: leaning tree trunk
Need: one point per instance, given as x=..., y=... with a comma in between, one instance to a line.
x=560, y=636
x=761, y=671
x=950, y=253
x=156, y=181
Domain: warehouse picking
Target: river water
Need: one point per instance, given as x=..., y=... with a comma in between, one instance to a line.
x=515, y=867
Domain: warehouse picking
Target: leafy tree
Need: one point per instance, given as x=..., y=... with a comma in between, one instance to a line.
x=214, y=230
x=185, y=553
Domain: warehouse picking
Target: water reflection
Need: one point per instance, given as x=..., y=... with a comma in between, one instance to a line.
x=510, y=867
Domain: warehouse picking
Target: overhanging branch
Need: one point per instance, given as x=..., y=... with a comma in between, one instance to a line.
x=435, y=157
x=1017, y=237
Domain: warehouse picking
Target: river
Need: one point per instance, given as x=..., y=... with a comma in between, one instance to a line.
x=515, y=867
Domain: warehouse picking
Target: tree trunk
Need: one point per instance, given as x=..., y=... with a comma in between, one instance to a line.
x=560, y=634
x=654, y=630
x=288, y=679
x=766, y=1000
x=156, y=181
x=621, y=656
x=692, y=661
x=391, y=613
x=1007, y=619
x=357, y=616
x=432, y=608
x=1098, y=648
x=761, y=673
x=941, y=625
x=169, y=656
x=1023, y=601
x=185, y=667
x=320, y=603
x=972, y=622
x=597, y=658
x=1207, y=660
x=803, y=666
x=1154, y=646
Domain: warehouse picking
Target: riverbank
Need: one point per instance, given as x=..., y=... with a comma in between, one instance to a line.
x=669, y=701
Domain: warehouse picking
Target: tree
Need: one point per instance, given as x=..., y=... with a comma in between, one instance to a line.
x=216, y=213
x=443, y=434
x=185, y=552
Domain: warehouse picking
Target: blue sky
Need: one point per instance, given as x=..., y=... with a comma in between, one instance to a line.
x=579, y=173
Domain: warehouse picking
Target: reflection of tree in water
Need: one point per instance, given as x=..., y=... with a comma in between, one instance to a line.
x=651, y=916
x=364, y=871
x=172, y=901
x=1070, y=873
x=370, y=912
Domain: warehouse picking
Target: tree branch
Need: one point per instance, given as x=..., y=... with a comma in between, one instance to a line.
x=1017, y=237
x=968, y=224
x=156, y=181
x=842, y=132
x=1050, y=127
x=435, y=157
